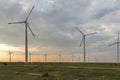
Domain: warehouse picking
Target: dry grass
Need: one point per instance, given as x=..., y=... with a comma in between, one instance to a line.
x=56, y=71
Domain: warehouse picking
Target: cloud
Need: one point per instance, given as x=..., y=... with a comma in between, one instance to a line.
x=54, y=21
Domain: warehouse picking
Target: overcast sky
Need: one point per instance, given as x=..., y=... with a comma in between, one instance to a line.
x=54, y=21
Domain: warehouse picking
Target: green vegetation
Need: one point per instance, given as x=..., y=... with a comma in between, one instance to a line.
x=63, y=71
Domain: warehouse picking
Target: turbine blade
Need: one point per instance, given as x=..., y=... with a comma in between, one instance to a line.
x=29, y=13
x=82, y=41
x=118, y=37
x=16, y=22
x=91, y=33
x=112, y=44
x=79, y=31
x=30, y=30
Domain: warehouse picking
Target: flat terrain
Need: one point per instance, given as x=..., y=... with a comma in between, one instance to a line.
x=62, y=71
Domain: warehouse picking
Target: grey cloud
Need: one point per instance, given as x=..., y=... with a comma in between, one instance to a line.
x=105, y=9
x=54, y=26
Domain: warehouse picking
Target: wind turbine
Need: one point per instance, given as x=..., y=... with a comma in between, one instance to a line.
x=30, y=55
x=117, y=47
x=72, y=57
x=78, y=58
x=96, y=60
x=88, y=59
x=9, y=53
x=26, y=31
x=60, y=58
x=45, y=55
x=83, y=41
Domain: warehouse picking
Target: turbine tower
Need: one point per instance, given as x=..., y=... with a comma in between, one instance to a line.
x=9, y=53
x=78, y=58
x=60, y=58
x=45, y=55
x=26, y=31
x=72, y=57
x=83, y=41
x=117, y=47
x=30, y=55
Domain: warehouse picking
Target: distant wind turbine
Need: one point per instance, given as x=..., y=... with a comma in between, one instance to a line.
x=9, y=53
x=45, y=55
x=88, y=59
x=83, y=40
x=96, y=60
x=26, y=35
x=60, y=58
x=79, y=58
x=117, y=47
x=72, y=57
x=30, y=55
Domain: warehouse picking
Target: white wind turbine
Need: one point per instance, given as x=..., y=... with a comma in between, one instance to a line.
x=83, y=40
x=30, y=55
x=78, y=58
x=45, y=56
x=10, y=53
x=26, y=35
x=72, y=57
x=117, y=42
x=60, y=58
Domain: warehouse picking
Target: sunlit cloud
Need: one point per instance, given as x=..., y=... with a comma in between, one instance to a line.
x=4, y=47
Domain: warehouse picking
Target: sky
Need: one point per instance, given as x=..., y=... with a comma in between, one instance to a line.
x=54, y=22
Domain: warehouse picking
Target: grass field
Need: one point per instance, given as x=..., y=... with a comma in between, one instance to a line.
x=63, y=71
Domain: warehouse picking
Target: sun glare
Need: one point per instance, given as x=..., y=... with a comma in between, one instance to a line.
x=5, y=47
